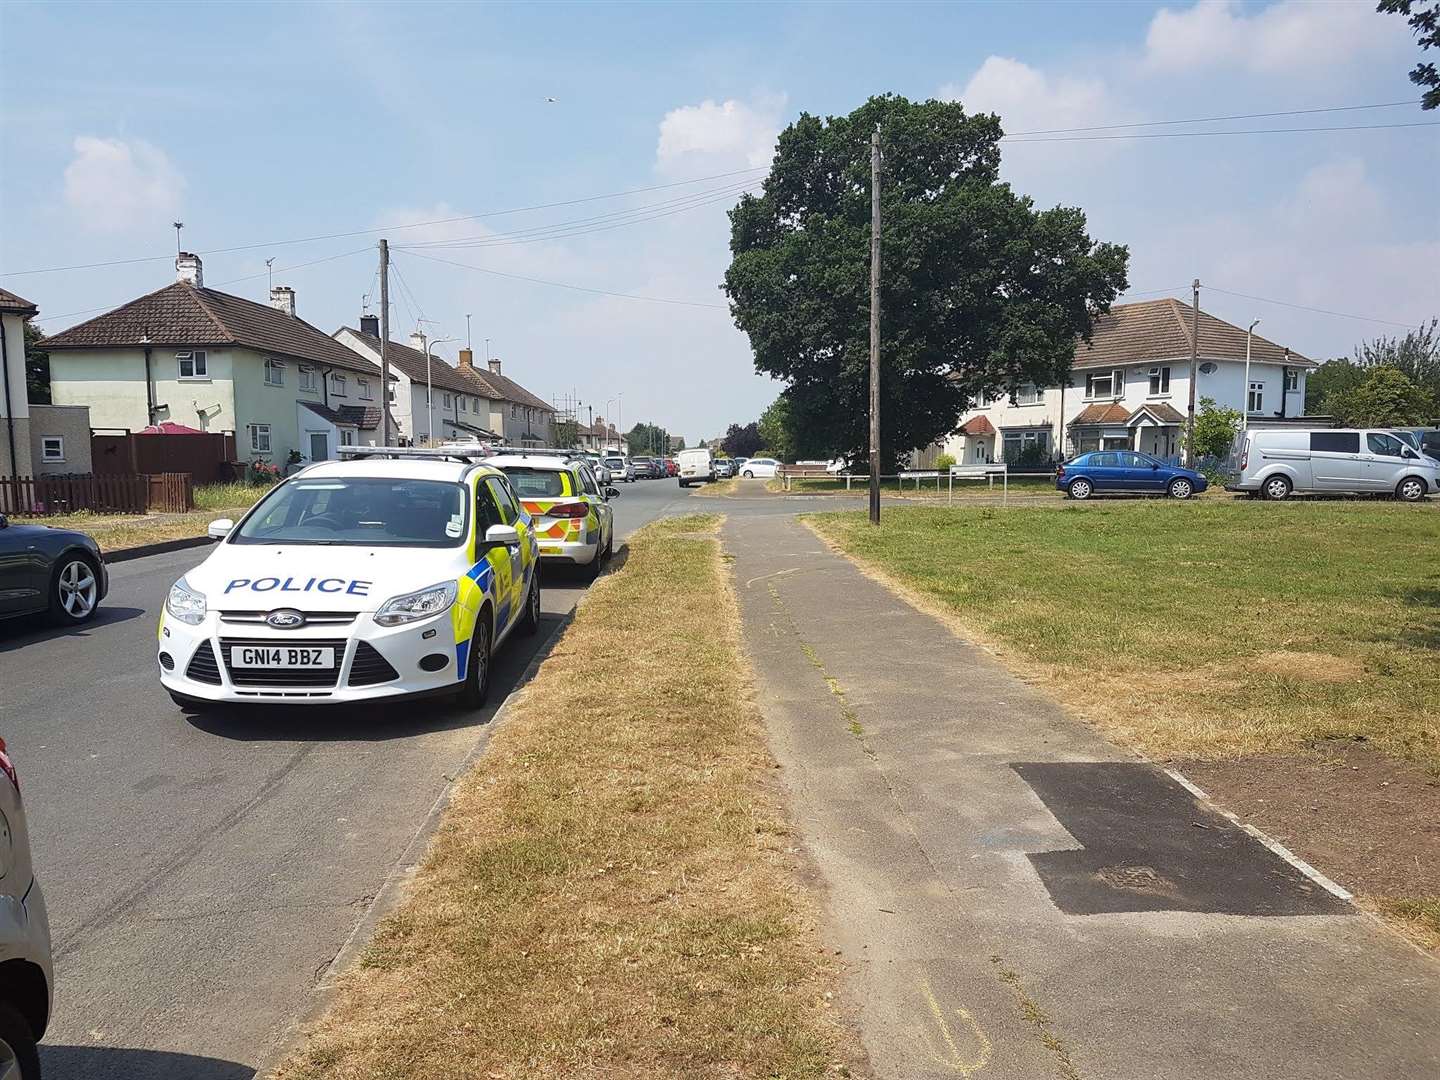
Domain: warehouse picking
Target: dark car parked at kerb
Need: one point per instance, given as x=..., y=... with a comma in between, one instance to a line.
x=44, y=569
x=1104, y=471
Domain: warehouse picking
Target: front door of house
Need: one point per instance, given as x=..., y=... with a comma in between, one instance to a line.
x=319, y=446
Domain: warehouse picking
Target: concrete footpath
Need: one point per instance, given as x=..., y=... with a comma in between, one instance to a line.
x=1014, y=896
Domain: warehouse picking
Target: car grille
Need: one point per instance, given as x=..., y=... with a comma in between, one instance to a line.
x=284, y=676
x=369, y=667
x=312, y=618
x=203, y=667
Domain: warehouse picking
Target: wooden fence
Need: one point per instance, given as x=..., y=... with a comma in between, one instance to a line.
x=45, y=495
x=209, y=457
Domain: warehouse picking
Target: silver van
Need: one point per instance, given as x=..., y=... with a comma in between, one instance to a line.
x=1336, y=461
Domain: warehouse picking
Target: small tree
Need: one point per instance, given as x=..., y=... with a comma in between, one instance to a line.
x=1386, y=398
x=775, y=430
x=1330, y=378
x=37, y=367
x=944, y=463
x=1215, y=431
x=567, y=433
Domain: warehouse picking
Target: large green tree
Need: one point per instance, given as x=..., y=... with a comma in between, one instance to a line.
x=775, y=434
x=1386, y=398
x=37, y=367
x=647, y=440
x=1417, y=354
x=1331, y=378
x=1424, y=19
x=980, y=291
x=742, y=440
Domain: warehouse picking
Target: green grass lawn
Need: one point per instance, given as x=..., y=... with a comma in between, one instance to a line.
x=1205, y=629
x=1021, y=485
x=114, y=532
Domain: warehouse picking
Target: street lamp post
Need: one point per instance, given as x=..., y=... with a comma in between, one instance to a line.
x=1245, y=412
x=429, y=406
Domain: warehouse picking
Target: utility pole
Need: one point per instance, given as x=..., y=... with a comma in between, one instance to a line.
x=875, y=326
x=384, y=342
x=1194, y=373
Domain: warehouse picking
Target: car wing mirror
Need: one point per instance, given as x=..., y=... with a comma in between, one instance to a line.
x=612, y=493
x=502, y=534
x=4, y=521
x=219, y=528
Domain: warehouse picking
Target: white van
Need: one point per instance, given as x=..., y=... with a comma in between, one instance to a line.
x=1337, y=461
x=695, y=467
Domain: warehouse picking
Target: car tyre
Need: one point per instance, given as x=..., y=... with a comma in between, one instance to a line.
x=1080, y=488
x=17, y=1044
x=748, y=475
x=477, y=679
x=1277, y=488
x=1181, y=488
x=1411, y=489
x=74, y=591
x=685, y=483
x=530, y=621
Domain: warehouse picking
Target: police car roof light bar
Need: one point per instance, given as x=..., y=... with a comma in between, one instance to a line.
x=414, y=453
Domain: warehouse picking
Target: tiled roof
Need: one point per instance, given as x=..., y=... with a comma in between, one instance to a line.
x=182, y=315
x=365, y=417
x=501, y=388
x=412, y=362
x=977, y=425
x=16, y=304
x=1161, y=411
x=1112, y=413
x=1160, y=330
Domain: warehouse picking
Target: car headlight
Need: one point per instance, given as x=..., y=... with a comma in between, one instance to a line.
x=423, y=604
x=185, y=604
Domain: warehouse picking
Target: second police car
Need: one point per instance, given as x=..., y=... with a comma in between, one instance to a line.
x=389, y=575
x=569, y=510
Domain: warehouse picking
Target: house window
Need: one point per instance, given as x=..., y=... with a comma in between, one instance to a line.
x=1159, y=381
x=1257, y=397
x=307, y=377
x=464, y=403
x=363, y=387
x=1027, y=447
x=52, y=448
x=347, y=437
x=1292, y=379
x=514, y=412
x=337, y=385
x=1105, y=384
x=260, y=438
x=274, y=373
x=1029, y=394
x=193, y=365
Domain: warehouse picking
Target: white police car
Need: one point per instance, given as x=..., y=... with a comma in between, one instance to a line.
x=569, y=511
x=389, y=575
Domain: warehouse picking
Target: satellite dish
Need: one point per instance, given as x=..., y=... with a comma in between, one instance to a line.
x=1209, y=367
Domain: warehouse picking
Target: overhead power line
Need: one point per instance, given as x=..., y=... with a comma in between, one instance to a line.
x=1204, y=134
x=1316, y=310
x=567, y=285
x=1217, y=119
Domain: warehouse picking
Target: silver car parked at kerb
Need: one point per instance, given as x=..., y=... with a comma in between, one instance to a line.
x=1333, y=461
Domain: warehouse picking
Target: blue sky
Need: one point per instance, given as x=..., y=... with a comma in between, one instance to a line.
x=256, y=124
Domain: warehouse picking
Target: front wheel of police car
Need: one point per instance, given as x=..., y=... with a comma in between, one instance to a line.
x=340, y=588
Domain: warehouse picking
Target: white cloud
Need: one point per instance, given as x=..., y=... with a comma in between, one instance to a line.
x=112, y=185
x=1289, y=36
x=719, y=134
x=1027, y=99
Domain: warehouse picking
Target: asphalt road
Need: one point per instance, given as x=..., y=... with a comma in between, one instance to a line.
x=203, y=873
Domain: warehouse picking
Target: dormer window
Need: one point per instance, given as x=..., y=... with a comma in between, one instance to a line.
x=193, y=365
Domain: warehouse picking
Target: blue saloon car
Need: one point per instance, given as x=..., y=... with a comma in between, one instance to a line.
x=1103, y=471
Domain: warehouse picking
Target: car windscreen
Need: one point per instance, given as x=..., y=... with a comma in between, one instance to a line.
x=360, y=511
x=536, y=483
x=614, y=463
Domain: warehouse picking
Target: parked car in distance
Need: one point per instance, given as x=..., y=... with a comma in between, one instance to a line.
x=696, y=466
x=620, y=469
x=1105, y=471
x=760, y=467
x=671, y=469
x=724, y=468
x=738, y=463
x=1334, y=461
x=646, y=468
x=55, y=571
x=597, y=466
x=26, y=969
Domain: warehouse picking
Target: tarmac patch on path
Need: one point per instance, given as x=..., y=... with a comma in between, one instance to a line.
x=1147, y=844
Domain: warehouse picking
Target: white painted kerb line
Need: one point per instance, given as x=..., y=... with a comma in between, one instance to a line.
x=1271, y=843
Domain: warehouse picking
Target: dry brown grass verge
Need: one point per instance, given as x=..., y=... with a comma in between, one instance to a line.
x=718, y=488
x=612, y=891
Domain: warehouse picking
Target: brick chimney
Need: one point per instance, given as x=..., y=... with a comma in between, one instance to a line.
x=370, y=324
x=466, y=361
x=495, y=366
x=282, y=298
x=189, y=269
